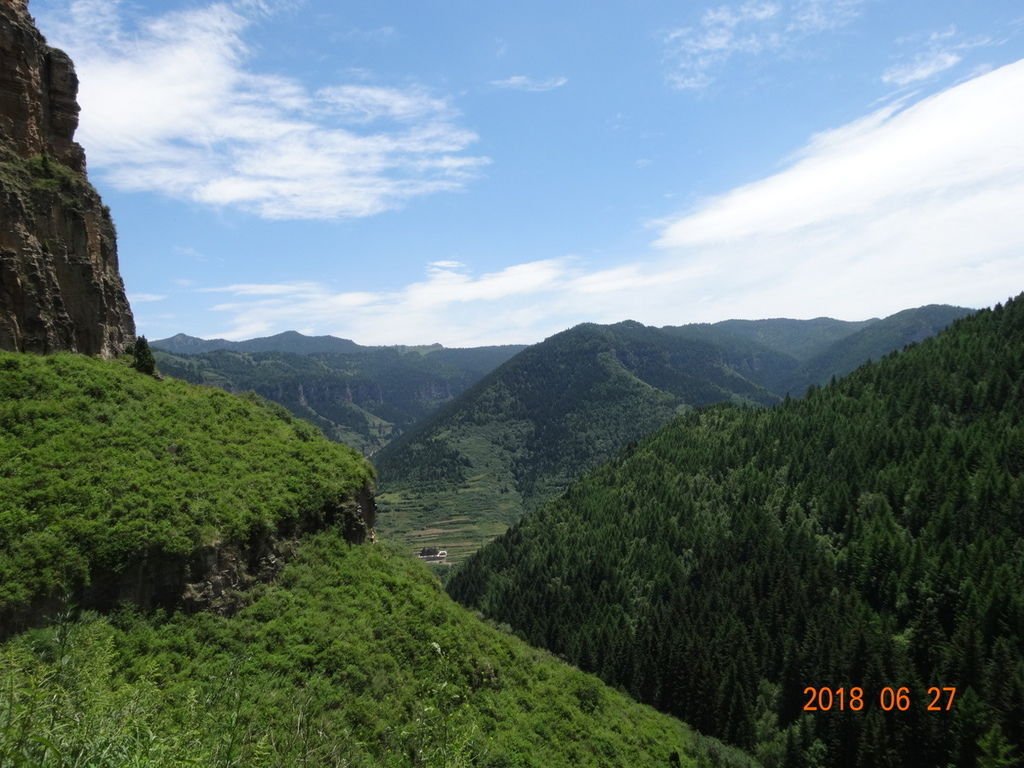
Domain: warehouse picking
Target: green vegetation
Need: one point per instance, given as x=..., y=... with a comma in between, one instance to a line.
x=559, y=408
x=105, y=472
x=354, y=657
x=360, y=396
x=142, y=357
x=868, y=535
x=37, y=180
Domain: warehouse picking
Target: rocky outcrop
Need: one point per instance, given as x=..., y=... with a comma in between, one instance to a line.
x=60, y=288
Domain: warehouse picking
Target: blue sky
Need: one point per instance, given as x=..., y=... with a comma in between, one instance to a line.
x=474, y=173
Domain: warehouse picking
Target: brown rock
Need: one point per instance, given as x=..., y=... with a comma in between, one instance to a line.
x=60, y=288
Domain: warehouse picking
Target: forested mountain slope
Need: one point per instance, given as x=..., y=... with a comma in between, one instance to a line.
x=362, y=397
x=798, y=339
x=563, y=406
x=869, y=535
x=870, y=343
x=535, y=423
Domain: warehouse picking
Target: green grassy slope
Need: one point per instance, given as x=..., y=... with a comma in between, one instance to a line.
x=354, y=657
x=869, y=535
x=105, y=470
x=351, y=656
x=525, y=431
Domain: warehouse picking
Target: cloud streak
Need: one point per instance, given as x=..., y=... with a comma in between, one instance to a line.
x=524, y=83
x=942, y=51
x=695, y=53
x=912, y=204
x=171, y=105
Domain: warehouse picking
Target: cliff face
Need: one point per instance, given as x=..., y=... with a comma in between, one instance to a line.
x=60, y=288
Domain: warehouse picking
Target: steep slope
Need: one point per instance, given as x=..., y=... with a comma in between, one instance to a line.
x=59, y=283
x=353, y=657
x=800, y=339
x=363, y=398
x=576, y=399
x=115, y=486
x=872, y=343
x=870, y=535
x=535, y=423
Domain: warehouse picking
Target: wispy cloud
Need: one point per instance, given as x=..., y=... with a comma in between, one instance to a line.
x=145, y=298
x=921, y=67
x=524, y=83
x=941, y=51
x=172, y=105
x=912, y=204
x=695, y=53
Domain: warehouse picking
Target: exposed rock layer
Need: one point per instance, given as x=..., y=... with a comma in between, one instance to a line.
x=215, y=577
x=60, y=288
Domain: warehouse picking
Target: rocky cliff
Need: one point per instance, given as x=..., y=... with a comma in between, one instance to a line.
x=60, y=288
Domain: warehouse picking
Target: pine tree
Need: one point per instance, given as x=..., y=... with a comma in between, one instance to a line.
x=142, y=357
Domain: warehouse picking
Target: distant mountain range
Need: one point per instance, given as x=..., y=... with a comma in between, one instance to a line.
x=289, y=341
x=361, y=396
x=520, y=435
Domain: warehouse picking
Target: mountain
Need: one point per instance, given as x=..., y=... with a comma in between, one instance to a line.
x=800, y=339
x=60, y=288
x=248, y=629
x=363, y=397
x=290, y=341
x=869, y=536
x=872, y=342
x=563, y=406
x=533, y=424
x=189, y=577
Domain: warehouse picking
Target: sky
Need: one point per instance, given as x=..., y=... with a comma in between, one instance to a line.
x=482, y=173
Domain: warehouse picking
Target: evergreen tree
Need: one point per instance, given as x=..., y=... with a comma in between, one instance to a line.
x=142, y=357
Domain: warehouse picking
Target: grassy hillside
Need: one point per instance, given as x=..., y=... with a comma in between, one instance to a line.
x=869, y=535
x=354, y=657
x=349, y=656
x=529, y=428
x=112, y=480
x=363, y=397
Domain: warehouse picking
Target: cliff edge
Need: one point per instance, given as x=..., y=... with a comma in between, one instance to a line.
x=60, y=288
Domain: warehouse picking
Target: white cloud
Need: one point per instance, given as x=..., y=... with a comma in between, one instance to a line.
x=913, y=204
x=694, y=53
x=145, y=298
x=524, y=83
x=170, y=105
x=942, y=51
x=922, y=67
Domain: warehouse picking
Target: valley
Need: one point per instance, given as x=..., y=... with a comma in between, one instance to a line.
x=756, y=542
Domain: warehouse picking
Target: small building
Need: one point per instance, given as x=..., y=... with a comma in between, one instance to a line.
x=432, y=554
